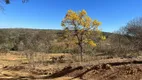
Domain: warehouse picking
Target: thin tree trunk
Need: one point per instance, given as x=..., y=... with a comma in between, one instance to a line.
x=81, y=52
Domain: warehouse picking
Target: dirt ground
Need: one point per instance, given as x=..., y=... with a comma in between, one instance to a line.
x=18, y=67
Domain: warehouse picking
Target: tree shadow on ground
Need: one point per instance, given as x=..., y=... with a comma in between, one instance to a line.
x=65, y=71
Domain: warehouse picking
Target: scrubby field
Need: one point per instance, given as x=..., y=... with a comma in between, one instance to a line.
x=42, y=66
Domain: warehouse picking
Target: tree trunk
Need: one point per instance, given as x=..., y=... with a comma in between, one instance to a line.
x=81, y=52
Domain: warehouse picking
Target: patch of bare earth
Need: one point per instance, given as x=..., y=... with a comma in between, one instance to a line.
x=110, y=69
x=12, y=68
x=84, y=72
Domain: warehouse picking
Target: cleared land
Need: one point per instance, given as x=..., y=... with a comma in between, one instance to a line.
x=40, y=66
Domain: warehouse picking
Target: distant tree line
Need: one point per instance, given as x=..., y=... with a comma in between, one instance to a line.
x=126, y=42
x=35, y=39
x=23, y=39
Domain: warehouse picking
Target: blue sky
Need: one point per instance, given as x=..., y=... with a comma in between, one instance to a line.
x=48, y=14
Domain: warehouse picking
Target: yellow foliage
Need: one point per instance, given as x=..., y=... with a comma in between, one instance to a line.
x=87, y=22
x=92, y=43
x=88, y=19
x=96, y=23
x=81, y=18
x=103, y=37
x=71, y=15
x=82, y=13
x=83, y=25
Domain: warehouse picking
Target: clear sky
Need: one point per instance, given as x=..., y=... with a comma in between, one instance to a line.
x=48, y=14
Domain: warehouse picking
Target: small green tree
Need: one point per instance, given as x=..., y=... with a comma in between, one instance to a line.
x=79, y=27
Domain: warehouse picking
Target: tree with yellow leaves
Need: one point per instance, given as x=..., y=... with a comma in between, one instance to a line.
x=79, y=27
